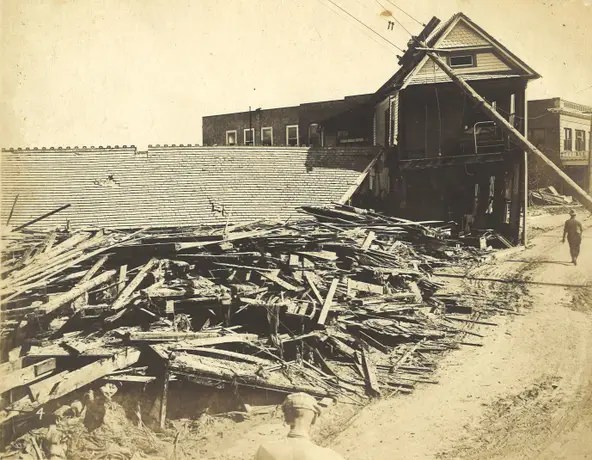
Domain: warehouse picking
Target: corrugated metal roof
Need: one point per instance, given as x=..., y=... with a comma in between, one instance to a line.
x=174, y=186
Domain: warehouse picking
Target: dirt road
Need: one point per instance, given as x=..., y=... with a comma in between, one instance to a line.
x=527, y=393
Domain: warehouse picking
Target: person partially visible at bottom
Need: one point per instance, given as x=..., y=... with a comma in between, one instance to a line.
x=300, y=413
x=573, y=230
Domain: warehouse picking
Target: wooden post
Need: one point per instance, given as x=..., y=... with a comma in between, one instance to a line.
x=525, y=162
x=328, y=302
x=164, y=396
x=585, y=199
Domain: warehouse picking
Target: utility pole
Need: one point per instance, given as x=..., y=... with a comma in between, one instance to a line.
x=584, y=198
x=589, y=154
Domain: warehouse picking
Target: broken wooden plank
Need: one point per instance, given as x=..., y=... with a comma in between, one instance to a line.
x=370, y=374
x=61, y=384
x=231, y=355
x=368, y=240
x=122, y=278
x=328, y=302
x=310, y=279
x=62, y=299
x=126, y=292
x=276, y=279
x=26, y=375
x=190, y=337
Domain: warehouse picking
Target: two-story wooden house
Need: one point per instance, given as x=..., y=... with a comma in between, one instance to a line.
x=448, y=160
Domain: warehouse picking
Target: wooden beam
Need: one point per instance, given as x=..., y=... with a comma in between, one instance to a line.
x=26, y=374
x=352, y=189
x=368, y=241
x=328, y=302
x=61, y=384
x=370, y=374
x=81, y=288
x=310, y=279
x=125, y=294
x=122, y=278
x=585, y=199
x=276, y=279
x=164, y=397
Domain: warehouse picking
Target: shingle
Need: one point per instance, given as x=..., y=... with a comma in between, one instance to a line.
x=175, y=185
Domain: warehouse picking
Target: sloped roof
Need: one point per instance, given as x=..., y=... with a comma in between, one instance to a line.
x=174, y=186
x=457, y=33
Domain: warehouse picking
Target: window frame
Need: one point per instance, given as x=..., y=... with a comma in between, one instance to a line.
x=270, y=128
x=472, y=64
x=583, y=140
x=228, y=131
x=567, y=138
x=288, y=137
x=318, y=134
x=245, y=130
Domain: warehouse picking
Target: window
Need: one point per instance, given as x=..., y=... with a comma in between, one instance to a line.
x=292, y=135
x=249, y=136
x=580, y=140
x=567, y=139
x=314, y=135
x=467, y=60
x=267, y=136
x=231, y=137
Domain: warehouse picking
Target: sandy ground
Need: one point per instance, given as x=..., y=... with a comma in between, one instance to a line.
x=527, y=393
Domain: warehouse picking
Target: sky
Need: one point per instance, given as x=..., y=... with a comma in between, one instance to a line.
x=115, y=72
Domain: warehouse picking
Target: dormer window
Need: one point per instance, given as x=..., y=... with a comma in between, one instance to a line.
x=467, y=60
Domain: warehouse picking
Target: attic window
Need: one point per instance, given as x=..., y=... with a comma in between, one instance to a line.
x=467, y=60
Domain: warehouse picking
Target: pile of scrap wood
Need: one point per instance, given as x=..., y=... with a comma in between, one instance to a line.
x=342, y=303
x=549, y=196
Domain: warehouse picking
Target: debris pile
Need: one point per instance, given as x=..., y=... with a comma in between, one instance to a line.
x=342, y=303
x=549, y=196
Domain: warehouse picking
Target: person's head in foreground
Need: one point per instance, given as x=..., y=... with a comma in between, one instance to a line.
x=300, y=413
x=572, y=214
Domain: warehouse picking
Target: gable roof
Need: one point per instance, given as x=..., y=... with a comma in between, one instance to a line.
x=458, y=33
x=174, y=185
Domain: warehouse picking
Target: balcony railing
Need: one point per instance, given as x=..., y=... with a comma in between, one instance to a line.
x=574, y=156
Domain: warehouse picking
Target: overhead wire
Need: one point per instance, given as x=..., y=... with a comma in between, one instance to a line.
x=371, y=37
x=365, y=25
x=405, y=12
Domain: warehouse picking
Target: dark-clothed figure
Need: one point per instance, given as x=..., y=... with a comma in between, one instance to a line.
x=300, y=412
x=573, y=230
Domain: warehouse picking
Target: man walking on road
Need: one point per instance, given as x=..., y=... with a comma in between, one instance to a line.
x=573, y=230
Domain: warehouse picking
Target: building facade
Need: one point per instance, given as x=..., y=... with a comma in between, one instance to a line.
x=561, y=130
x=444, y=157
x=300, y=125
x=451, y=161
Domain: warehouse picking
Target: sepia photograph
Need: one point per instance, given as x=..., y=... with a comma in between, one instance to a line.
x=295, y=229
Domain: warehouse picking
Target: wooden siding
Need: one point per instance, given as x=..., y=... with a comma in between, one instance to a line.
x=173, y=186
x=463, y=35
x=487, y=66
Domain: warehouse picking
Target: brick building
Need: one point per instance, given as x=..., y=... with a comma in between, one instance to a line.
x=561, y=130
x=299, y=125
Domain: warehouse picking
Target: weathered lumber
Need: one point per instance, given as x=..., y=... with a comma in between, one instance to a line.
x=276, y=279
x=370, y=374
x=125, y=294
x=225, y=354
x=328, y=302
x=65, y=382
x=62, y=299
x=207, y=337
x=311, y=282
x=26, y=375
